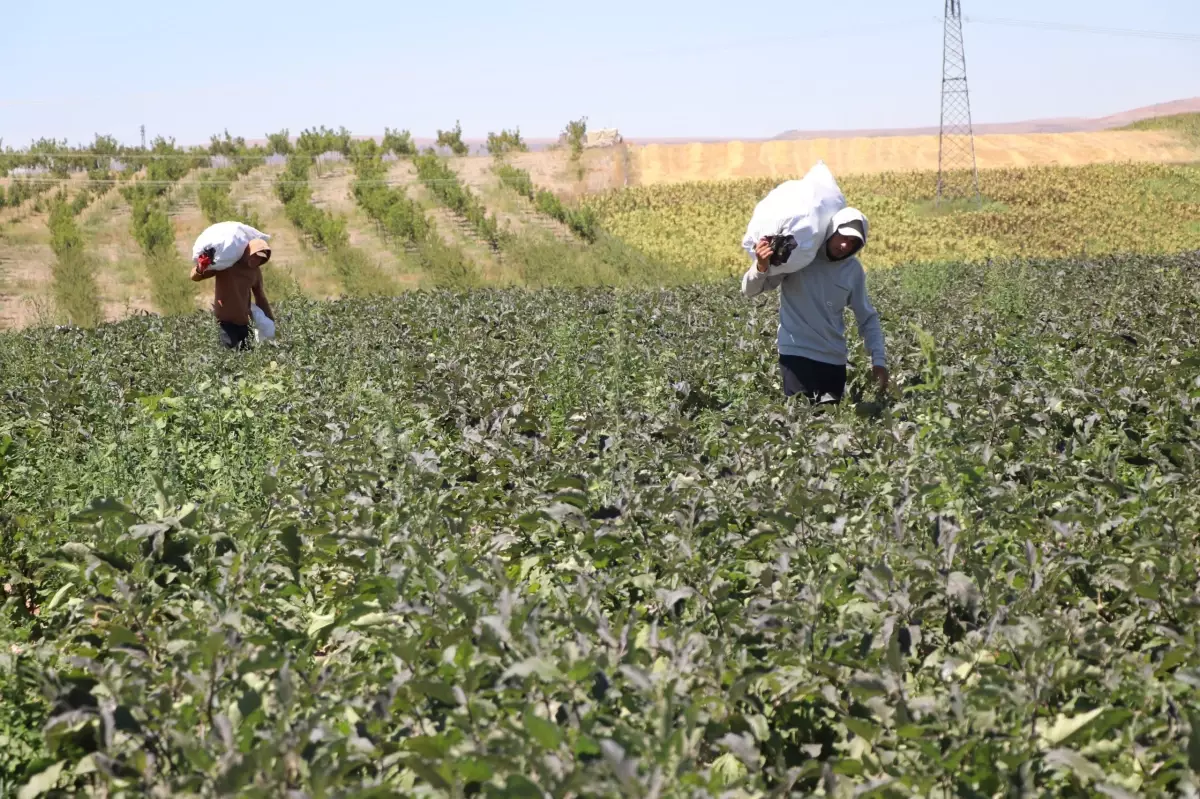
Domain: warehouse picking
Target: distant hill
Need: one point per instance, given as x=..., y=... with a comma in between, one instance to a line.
x=1061, y=125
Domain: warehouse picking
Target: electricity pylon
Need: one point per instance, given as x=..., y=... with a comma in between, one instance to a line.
x=958, y=175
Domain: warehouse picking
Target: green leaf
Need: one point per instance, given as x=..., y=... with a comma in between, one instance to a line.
x=863, y=729
x=519, y=787
x=319, y=621
x=586, y=746
x=473, y=769
x=42, y=782
x=59, y=596
x=1065, y=727
x=1193, y=748
x=727, y=770
x=546, y=733
x=1070, y=760
x=437, y=690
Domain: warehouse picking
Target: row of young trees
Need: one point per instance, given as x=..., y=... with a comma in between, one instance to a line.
x=582, y=221
x=573, y=137
x=56, y=161
x=76, y=295
x=324, y=230
x=214, y=193
x=401, y=219
x=444, y=184
x=165, y=165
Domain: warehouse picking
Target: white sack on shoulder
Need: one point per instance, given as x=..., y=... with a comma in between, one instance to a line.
x=228, y=241
x=263, y=326
x=801, y=209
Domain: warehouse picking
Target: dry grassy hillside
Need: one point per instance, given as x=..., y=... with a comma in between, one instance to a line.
x=418, y=230
x=653, y=164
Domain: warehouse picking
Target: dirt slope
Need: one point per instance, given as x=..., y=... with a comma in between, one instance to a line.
x=511, y=209
x=288, y=251
x=453, y=229
x=614, y=167
x=120, y=275
x=332, y=191
x=26, y=273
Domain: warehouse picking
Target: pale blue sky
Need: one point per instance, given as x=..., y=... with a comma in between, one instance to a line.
x=703, y=68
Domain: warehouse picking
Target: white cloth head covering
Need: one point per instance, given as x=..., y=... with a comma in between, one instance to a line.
x=844, y=222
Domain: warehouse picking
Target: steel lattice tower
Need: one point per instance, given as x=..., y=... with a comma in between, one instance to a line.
x=958, y=175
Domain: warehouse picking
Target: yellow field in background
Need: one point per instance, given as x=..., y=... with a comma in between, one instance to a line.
x=676, y=163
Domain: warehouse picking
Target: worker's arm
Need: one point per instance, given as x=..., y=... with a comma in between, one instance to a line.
x=868, y=319
x=756, y=280
x=260, y=298
x=199, y=274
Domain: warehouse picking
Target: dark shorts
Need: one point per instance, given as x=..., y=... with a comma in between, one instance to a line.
x=813, y=379
x=234, y=337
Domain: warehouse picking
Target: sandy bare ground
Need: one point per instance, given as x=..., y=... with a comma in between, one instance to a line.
x=685, y=162
x=120, y=272
x=26, y=273
x=636, y=165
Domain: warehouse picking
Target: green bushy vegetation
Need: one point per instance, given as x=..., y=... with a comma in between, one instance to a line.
x=76, y=295
x=22, y=190
x=443, y=183
x=401, y=219
x=505, y=142
x=399, y=142
x=582, y=220
x=326, y=231
x=453, y=140
x=324, y=140
x=216, y=186
x=1187, y=125
x=1032, y=212
x=171, y=291
x=573, y=542
x=279, y=143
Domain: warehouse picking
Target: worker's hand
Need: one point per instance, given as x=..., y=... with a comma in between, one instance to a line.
x=881, y=376
x=763, y=253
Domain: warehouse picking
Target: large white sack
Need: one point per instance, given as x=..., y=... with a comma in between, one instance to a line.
x=802, y=209
x=228, y=240
x=263, y=326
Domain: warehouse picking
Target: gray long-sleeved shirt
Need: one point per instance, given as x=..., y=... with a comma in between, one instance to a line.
x=812, y=303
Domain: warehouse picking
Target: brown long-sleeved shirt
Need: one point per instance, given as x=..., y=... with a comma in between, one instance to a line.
x=234, y=286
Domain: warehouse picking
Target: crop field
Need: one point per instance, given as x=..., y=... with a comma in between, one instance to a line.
x=657, y=164
x=101, y=231
x=573, y=543
x=1035, y=212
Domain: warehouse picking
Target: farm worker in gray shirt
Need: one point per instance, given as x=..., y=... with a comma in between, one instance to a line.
x=812, y=301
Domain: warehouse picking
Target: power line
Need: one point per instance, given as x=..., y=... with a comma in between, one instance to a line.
x=1075, y=28
x=153, y=157
x=257, y=183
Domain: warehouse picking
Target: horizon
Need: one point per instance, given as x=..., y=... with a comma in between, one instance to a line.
x=528, y=67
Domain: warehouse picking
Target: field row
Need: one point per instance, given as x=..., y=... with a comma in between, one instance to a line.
x=572, y=543
x=326, y=241
x=1036, y=212
x=509, y=232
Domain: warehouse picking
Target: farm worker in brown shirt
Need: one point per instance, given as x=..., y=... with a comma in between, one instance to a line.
x=233, y=290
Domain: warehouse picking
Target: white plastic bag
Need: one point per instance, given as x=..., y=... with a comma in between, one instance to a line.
x=802, y=209
x=228, y=241
x=264, y=328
